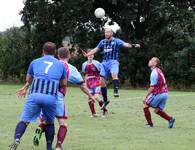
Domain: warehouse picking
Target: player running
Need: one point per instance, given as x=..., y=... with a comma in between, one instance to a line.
x=157, y=94
x=93, y=70
x=46, y=74
x=110, y=48
x=74, y=77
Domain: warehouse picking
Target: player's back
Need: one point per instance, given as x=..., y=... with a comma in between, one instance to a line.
x=74, y=75
x=47, y=67
x=46, y=72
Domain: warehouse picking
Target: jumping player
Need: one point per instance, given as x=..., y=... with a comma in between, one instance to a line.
x=74, y=77
x=157, y=94
x=45, y=74
x=110, y=48
x=93, y=70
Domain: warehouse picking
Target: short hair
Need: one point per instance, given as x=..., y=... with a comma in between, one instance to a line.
x=63, y=52
x=49, y=48
x=157, y=61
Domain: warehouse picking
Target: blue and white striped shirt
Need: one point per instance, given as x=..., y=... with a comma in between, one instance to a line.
x=110, y=48
x=46, y=71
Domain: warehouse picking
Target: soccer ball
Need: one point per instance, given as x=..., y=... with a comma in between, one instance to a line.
x=99, y=13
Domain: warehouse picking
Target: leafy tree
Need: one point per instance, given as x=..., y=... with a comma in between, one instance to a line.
x=164, y=28
x=14, y=53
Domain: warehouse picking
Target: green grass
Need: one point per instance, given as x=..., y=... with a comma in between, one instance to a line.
x=123, y=129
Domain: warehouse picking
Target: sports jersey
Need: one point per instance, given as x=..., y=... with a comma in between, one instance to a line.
x=157, y=80
x=92, y=70
x=46, y=72
x=72, y=75
x=110, y=48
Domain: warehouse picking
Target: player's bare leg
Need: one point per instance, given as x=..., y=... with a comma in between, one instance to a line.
x=101, y=103
x=116, y=84
x=62, y=131
x=147, y=115
x=98, y=99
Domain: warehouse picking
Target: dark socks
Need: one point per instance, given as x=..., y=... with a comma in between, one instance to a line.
x=148, y=116
x=61, y=135
x=92, y=107
x=101, y=103
x=104, y=93
x=116, y=85
x=49, y=135
x=20, y=129
x=42, y=126
x=163, y=115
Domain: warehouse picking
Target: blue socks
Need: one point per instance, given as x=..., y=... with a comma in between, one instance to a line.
x=116, y=85
x=49, y=135
x=20, y=129
x=104, y=93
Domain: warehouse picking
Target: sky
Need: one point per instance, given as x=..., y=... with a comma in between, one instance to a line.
x=9, y=16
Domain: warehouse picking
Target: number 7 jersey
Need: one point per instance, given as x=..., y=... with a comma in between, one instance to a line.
x=46, y=72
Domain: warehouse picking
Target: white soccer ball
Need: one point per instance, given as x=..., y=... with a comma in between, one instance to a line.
x=99, y=13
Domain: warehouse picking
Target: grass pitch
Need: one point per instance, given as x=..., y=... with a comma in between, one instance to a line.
x=123, y=129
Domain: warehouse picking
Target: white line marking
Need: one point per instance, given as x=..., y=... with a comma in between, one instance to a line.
x=141, y=97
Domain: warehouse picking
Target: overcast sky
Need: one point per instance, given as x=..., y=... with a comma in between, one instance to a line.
x=9, y=16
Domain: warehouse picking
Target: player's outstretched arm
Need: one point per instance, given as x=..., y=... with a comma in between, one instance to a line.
x=128, y=45
x=84, y=88
x=92, y=52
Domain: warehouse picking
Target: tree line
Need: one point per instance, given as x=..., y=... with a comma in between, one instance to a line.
x=167, y=31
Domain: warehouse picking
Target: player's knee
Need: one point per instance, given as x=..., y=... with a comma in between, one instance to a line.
x=115, y=76
x=42, y=120
x=91, y=101
x=156, y=110
x=97, y=97
x=48, y=123
x=26, y=123
x=103, y=83
x=62, y=122
x=145, y=105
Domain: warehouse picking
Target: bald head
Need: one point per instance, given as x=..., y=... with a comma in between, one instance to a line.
x=157, y=60
x=154, y=62
x=108, y=33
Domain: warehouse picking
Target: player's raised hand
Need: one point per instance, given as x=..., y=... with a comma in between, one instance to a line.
x=136, y=45
x=84, y=53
